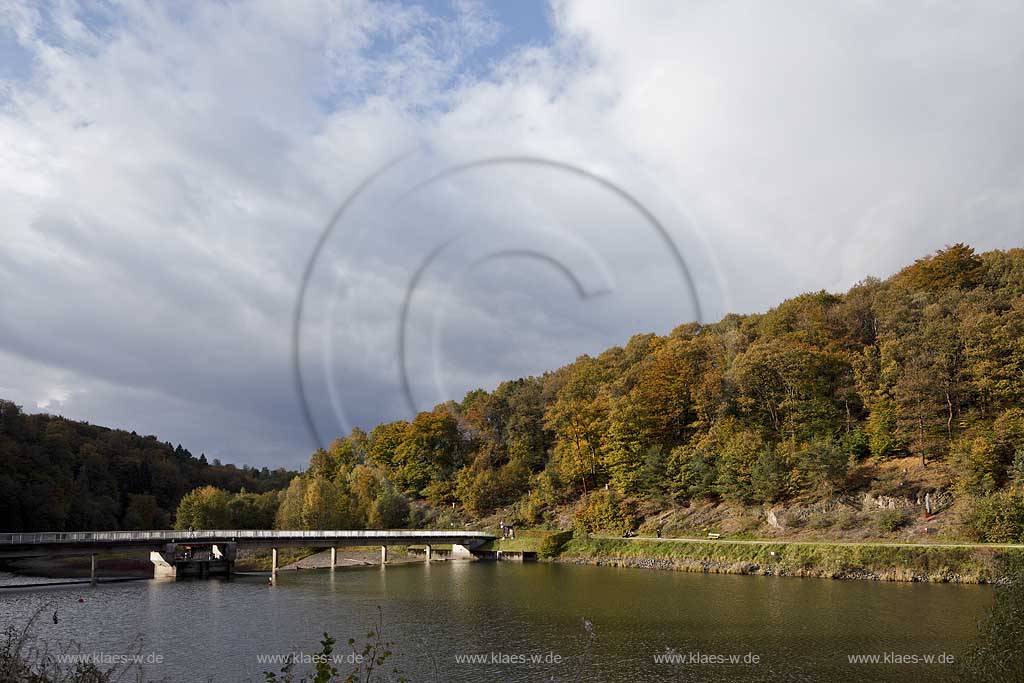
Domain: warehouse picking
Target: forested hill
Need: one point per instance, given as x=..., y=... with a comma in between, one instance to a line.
x=811, y=400
x=61, y=475
x=805, y=401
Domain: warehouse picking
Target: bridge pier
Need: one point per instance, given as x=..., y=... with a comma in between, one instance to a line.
x=162, y=569
x=461, y=552
x=92, y=569
x=334, y=558
x=273, y=561
x=383, y=555
x=426, y=554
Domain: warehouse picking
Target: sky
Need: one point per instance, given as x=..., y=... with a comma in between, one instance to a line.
x=400, y=202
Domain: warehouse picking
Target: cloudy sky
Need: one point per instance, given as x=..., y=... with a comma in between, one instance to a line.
x=459, y=192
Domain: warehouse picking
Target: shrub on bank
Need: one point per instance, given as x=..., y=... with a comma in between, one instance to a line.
x=605, y=511
x=999, y=518
x=891, y=520
x=552, y=544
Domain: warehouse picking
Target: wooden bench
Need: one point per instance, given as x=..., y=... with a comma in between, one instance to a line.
x=714, y=536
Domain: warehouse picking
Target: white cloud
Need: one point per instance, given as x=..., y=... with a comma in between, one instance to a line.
x=166, y=172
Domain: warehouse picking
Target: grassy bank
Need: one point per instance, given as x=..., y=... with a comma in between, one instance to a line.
x=526, y=539
x=834, y=561
x=871, y=561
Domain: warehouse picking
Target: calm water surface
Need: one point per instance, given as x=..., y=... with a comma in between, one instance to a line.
x=800, y=629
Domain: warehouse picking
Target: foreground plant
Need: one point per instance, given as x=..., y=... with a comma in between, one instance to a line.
x=369, y=667
x=23, y=660
x=998, y=653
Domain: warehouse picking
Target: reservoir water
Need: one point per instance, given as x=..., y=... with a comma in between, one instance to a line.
x=485, y=621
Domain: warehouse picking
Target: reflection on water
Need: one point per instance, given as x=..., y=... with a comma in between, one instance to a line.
x=436, y=615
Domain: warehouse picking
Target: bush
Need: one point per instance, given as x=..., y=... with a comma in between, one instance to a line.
x=532, y=508
x=884, y=440
x=552, y=544
x=998, y=652
x=978, y=466
x=847, y=519
x=822, y=466
x=891, y=520
x=819, y=520
x=692, y=472
x=604, y=511
x=769, y=477
x=999, y=518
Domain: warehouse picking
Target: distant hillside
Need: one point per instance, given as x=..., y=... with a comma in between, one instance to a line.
x=61, y=475
x=808, y=401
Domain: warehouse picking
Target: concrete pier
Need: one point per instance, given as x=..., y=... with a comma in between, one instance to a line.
x=193, y=559
x=92, y=569
x=162, y=569
x=273, y=560
x=334, y=558
x=426, y=553
x=383, y=554
x=461, y=552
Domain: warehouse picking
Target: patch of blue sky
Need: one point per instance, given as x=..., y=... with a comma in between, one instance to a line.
x=520, y=24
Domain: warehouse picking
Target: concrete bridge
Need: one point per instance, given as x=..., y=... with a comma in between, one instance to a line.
x=203, y=553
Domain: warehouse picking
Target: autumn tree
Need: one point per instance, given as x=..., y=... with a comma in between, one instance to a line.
x=204, y=508
x=577, y=417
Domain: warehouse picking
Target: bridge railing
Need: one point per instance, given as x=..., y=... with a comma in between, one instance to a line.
x=43, y=538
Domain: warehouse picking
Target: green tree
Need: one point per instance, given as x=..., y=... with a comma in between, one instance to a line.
x=430, y=450
x=143, y=513
x=739, y=453
x=390, y=511
x=204, y=508
x=821, y=466
x=289, y=512
x=384, y=442
x=770, y=477
x=577, y=418
x=253, y=510
x=325, y=505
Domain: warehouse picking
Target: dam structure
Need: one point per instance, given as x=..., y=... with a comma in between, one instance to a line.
x=212, y=552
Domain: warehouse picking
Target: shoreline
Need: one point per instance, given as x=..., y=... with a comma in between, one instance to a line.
x=893, y=562
x=963, y=564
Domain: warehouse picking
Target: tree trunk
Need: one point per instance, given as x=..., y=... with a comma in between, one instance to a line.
x=949, y=422
x=920, y=439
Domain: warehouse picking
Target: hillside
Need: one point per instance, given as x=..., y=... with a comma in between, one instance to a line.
x=831, y=415
x=62, y=475
x=899, y=388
